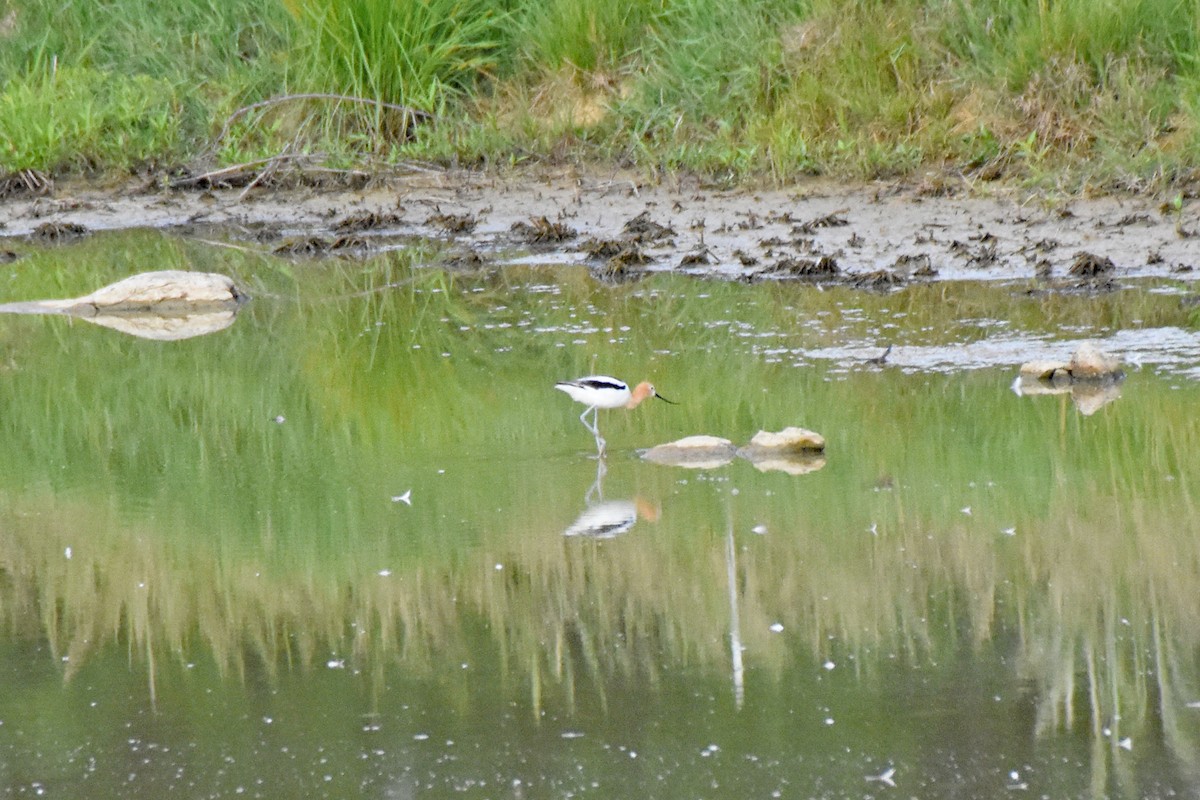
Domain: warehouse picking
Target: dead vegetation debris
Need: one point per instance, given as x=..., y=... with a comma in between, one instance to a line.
x=834, y=219
x=1090, y=265
x=745, y=259
x=469, y=260
x=453, y=223
x=25, y=183
x=367, y=221
x=58, y=231
x=602, y=248
x=879, y=280
x=624, y=266
x=644, y=230
x=919, y=265
x=319, y=245
x=1127, y=220
x=823, y=268
x=540, y=230
x=1041, y=246
x=701, y=256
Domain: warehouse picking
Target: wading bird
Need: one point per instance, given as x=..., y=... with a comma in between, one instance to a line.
x=601, y=391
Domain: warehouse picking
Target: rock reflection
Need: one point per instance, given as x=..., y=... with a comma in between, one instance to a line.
x=1088, y=396
x=164, y=306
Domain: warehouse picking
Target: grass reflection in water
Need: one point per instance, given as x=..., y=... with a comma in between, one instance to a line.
x=232, y=495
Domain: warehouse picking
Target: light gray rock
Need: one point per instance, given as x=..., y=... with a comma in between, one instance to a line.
x=695, y=452
x=163, y=305
x=788, y=440
x=1089, y=362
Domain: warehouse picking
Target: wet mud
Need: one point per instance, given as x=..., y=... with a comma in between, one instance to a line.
x=870, y=236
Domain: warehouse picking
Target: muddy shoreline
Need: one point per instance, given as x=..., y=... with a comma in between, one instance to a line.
x=869, y=235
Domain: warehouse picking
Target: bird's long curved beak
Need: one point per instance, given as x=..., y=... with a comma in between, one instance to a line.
x=665, y=400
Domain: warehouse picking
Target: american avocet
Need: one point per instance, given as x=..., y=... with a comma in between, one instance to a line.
x=601, y=391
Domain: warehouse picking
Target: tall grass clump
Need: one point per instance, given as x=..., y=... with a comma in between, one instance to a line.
x=587, y=36
x=867, y=86
x=77, y=118
x=1015, y=41
x=418, y=53
x=711, y=68
x=188, y=43
x=790, y=88
x=109, y=85
x=1078, y=81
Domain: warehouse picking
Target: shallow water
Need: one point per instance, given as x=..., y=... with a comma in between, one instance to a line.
x=325, y=551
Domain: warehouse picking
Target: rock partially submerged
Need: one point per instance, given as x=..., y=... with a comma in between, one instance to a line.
x=1087, y=363
x=788, y=440
x=1092, y=378
x=694, y=452
x=164, y=305
x=795, y=451
x=792, y=450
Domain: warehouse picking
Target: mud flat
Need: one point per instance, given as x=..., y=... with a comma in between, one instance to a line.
x=874, y=236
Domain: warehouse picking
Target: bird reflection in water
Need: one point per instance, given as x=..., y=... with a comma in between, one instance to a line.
x=607, y=519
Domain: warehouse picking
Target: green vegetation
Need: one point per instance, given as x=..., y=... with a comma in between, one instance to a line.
x=1076, y=92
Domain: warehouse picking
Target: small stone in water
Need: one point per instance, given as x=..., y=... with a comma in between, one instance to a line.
x=777, y=627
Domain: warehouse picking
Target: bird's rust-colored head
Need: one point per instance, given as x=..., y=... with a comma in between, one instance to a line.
x=642, y=391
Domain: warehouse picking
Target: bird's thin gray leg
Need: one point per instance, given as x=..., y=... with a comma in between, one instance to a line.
x=583, y=419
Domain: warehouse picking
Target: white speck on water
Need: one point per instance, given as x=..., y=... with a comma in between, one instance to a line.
x=829, y=665
x=1009, y=531
x=885, y=777
x=267, y=720
x=67, y=553
x=405, y=498
x=759, y=529
x=829, y=720
x=777, y=627
x=280, y=419
x=420, y=737
x=572, y=734
x=383, y=573
x=336, y=663
x=874, y=529
x=499, y=567
x=1126, y=743
x=966, y=510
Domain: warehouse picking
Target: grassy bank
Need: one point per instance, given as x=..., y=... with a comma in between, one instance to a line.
x=1075, y=94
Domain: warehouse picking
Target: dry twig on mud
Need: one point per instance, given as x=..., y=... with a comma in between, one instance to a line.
x=233, y=175
x=30, y=182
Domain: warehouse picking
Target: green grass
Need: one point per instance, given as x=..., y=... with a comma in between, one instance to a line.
x=1074, y=93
